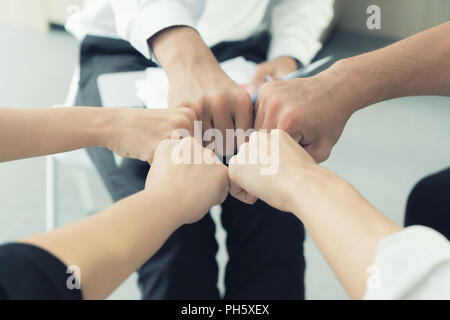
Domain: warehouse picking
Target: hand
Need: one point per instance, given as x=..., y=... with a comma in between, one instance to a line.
x=136, y=133
x=200, y=186
x=281, y=187
x=310, y=110
x=197, y=82
x=275, y=69
x=216, y=100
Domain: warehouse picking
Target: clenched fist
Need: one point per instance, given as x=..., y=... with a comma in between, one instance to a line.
x=307, y=109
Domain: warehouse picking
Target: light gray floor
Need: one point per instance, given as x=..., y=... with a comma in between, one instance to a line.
x=383, y=152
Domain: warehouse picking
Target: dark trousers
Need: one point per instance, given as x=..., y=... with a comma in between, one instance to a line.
x=265, y=246
x=429, y=203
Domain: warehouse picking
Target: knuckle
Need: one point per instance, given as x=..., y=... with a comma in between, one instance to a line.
x=180, y=121
x=322, y=155
x=188, y=140
x=188, y=113
x=289, y=120
x=245, y=103
x=266, y=89
x=164, y=144
x=199, y=107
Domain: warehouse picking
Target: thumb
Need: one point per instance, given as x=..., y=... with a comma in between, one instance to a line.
x=237, y=192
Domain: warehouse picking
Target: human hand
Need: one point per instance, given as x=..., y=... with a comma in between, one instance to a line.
x=275, y=69
x=197, y=82
x=198, y=183
x=311, y=110
x=136, y=133
x=296, y=170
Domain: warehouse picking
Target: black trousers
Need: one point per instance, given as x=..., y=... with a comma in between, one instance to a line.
x=265, y=246
x=429, y=203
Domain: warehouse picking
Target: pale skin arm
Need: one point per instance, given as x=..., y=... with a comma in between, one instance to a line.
x=111, y=245
x=345, y=227
x=133, y=133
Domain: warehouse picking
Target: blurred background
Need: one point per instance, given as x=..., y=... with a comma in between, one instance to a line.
x=383, y=152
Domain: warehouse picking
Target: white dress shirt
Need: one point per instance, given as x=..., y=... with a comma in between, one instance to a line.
x=296, y=26
x=411, y=264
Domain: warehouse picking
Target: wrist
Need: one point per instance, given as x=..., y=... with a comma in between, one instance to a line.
x=100, y=123
x=182, y=48
x=354, y=85
x=171, y=200
x=108, y=121
x=308, y=188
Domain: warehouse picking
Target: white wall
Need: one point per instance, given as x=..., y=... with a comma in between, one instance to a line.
x=23, y=13
x=34, y=14
x=399, y=18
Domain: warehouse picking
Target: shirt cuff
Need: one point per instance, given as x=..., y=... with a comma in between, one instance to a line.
x=404, y=260
x=292, y=47
x=154, y=18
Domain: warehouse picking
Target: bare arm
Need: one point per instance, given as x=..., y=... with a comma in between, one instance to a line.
x=345, y=227
x=418, y=65
x=317, y=108
x=132, y=133
x=111, y=245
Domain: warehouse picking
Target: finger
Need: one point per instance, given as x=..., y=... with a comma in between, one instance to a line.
x=240, y=194
x=222, y=122
x=319, y=153
x=259, y=118
x=243, y=119
x=206, y=124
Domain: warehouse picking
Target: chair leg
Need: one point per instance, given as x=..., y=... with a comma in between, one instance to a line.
x=51, y=192
x=88, y=201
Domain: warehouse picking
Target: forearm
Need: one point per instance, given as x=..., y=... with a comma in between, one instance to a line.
x=110, y=246
x=418, y=65
x=29, y=133
x=345, y=227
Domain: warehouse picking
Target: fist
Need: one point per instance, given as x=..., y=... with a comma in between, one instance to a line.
x=218, y=103
x=136, y=133
x=194, y=173
x=278, y=188
x=304, y=108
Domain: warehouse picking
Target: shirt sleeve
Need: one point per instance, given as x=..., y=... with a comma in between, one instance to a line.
x=297, y=28
x=411, y=264
x=30, y=273
x=139, y=20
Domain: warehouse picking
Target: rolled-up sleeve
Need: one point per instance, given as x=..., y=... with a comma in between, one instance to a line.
x=297, y=28
x=138, y=20
x=411, y=264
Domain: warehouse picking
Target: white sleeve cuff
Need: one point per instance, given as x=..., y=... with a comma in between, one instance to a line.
x=151, y=19
x=291, y=47
x=406, y=262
